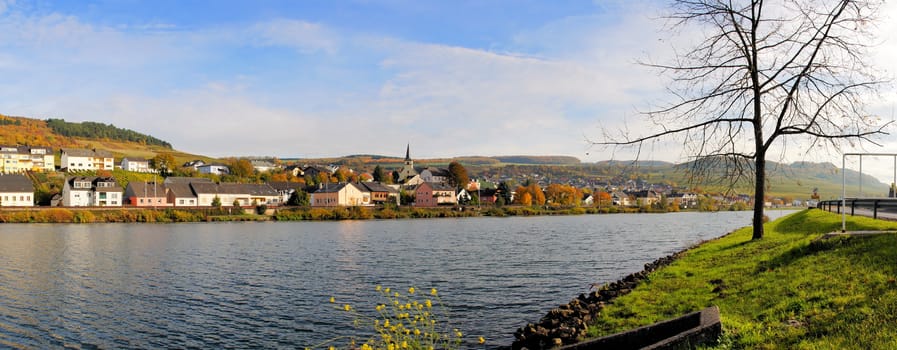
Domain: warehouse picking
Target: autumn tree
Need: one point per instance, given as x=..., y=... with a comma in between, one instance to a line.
x=458, y=174
x=564, y=195
x=530, y=195
x=763, y=74
x=164, y=163
x=240, y=167
x=523, y=197
x=603, y=198
x=343, y=174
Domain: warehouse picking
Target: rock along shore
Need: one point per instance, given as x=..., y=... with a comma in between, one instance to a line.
x=567, y=324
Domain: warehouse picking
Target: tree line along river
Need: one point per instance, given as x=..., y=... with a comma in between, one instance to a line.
x=212, y=285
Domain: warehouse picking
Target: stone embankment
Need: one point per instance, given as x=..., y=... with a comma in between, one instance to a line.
x=568, y=323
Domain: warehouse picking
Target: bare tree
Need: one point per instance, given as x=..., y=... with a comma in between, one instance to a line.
x=761, y=74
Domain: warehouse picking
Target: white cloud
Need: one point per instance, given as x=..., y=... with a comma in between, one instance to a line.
x=301, y=35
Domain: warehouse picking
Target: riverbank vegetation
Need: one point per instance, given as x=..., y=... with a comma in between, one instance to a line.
x=792, y=289
x=262, y=213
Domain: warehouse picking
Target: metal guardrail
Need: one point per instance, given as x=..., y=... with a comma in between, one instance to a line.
x=852, y=203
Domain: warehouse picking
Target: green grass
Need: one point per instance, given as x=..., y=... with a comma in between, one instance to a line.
x=784, y=291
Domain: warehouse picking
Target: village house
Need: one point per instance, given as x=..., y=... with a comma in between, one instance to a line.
x=343, y=194
x=433, y=174
x=619, y=198
x=18, y=159
x=684, y=200
x=214, y=169
x=195, y=164
x=263, y=166
x=295, y=170
x=139, y=165
x=380, y=193
x=230, y=193
x=16, y=190
x=432, y=194
x=285, y=189
x=146, y=194
x=201, y=192
x=180, y=193
x=85, y=159
x=316, y=171
x=85, y=191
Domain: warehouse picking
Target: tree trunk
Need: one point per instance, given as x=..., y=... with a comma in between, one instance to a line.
x=759, y=192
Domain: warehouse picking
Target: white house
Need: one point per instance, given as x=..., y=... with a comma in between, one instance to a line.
x=16, y=191
x=139, y=165
x=263, y=165
x=216, y=169
x=433, y=174
x=85, y=159
x=82, y=191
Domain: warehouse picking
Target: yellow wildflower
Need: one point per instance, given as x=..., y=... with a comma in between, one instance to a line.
x=396, y=295
x=458, y=333
x=386, y=323
x=332, y=300
x=347, y=307
x=433, y=291
x=411, y=290
x=365, y=346
x=386, y=290
x=332, y=348
x=378, y=288
x=404, y=344
x=416, y=331
x=429, y=304
x=391, y=346
x=482, y=340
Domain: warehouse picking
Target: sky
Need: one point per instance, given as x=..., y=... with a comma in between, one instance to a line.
x=333, y=78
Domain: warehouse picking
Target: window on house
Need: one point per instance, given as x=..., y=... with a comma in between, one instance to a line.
x=181, y=201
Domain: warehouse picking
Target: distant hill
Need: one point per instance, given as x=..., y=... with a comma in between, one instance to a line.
x=636, y=163
x=539, y=160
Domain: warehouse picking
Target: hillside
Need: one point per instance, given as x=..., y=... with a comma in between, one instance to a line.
x=57, y=133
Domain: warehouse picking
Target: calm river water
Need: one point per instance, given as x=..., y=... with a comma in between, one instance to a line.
x=239, y=285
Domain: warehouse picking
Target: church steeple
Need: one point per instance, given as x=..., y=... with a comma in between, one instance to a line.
x=407, y=170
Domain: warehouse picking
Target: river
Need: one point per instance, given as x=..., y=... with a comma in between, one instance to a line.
x=239, y=285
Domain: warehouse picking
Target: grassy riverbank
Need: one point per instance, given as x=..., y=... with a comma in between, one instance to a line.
x=788, y=290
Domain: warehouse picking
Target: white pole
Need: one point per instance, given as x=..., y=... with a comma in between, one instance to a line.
x=861, y=176
x=843, y=195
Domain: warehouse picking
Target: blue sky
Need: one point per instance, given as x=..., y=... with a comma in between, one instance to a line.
x=333, y=78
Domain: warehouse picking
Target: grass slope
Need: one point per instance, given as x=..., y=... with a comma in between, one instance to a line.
x=784, y=291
